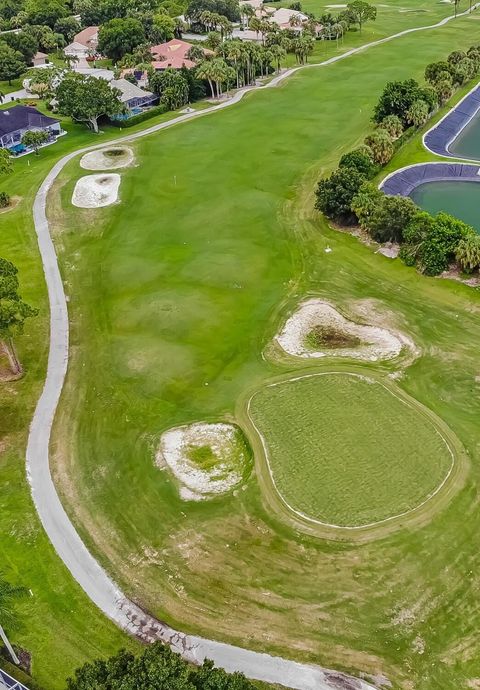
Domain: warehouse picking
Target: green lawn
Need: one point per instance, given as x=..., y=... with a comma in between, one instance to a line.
x=182, y=284
x=348, y=450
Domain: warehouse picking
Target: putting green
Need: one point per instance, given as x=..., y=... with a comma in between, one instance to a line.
x=347, y=450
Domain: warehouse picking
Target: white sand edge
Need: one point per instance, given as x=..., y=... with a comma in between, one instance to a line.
x=95, y=191
x=197, y=484
x=99, y=160
x=379, y=343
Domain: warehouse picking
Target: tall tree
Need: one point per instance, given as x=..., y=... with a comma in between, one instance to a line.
x=13, y=312
x=86, y=99
x=11, y=63
x=46, y=11
x=120, y=36
x=68, y=27
x=360, y=12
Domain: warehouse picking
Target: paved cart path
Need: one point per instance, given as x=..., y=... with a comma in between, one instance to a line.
x=96, y=583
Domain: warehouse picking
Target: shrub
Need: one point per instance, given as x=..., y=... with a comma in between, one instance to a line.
x=361, y=160
x=456, y=57
x=365, y=202
x=417, y=114
x=393, y=125
x=398, y=96
x=381, y=144
x=335, y=194
x=464, y=71
x=390, y=217
x=4, y=200
x=435, y=69
x=141, y=117
x=433, y=241
x=444, y=91
x=468, y=253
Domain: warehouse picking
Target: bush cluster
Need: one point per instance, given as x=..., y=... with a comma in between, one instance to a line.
x=156, y=668
x=349, y=197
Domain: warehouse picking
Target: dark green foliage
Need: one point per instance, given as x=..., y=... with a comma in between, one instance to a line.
x=435, y=69
x=11, y=63
x=46, y=11
x=227, y=8
x=432, y=242
x=156, y=668
x=24, y=42
x=4, y=200
x=118, y=37
x=68, y=27
x=390, y=218
x=397, y=98
x=335, y=194
x=361, y=160
x=196, y=87
x=141, y=117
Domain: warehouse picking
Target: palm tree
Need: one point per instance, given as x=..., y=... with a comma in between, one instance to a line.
x=278, y=54
x=255, y=24
x=8, y=595
x=248, y=13
x=233, y=52
x=468, y=253
x=204, y=71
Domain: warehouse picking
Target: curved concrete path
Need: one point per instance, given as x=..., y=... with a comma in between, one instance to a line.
x=101, y=589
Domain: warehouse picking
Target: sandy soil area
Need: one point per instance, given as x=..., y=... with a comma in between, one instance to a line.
x=94, y=191
x=107, y=159
x=224, y=469
x=377, y=343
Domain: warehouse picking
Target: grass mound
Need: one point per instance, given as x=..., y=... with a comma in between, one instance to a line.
x=349, y=451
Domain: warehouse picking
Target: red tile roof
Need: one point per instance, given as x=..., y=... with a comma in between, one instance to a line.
x=175, y=53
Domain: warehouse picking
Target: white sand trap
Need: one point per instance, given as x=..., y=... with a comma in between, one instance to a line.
x=107, y=159
x=207, y=459
x=94, y=191
x=376, y=343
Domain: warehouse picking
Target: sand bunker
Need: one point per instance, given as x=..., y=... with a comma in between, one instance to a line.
x=94, y=191
x=316, y=330
x=107, y=159
x=207, y=459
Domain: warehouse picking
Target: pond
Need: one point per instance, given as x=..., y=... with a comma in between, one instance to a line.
x=458, y=198
x=467, y=143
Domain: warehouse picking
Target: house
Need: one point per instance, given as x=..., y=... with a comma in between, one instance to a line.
x=84, y=44
x=285, y=18
x=40, y=59
x=132, y=96
x=88, y=38
x=141, y=76
x=174, y=54
x=14, y=122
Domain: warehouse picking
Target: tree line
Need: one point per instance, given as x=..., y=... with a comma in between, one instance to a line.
x=349, y=197
x=155, y=668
